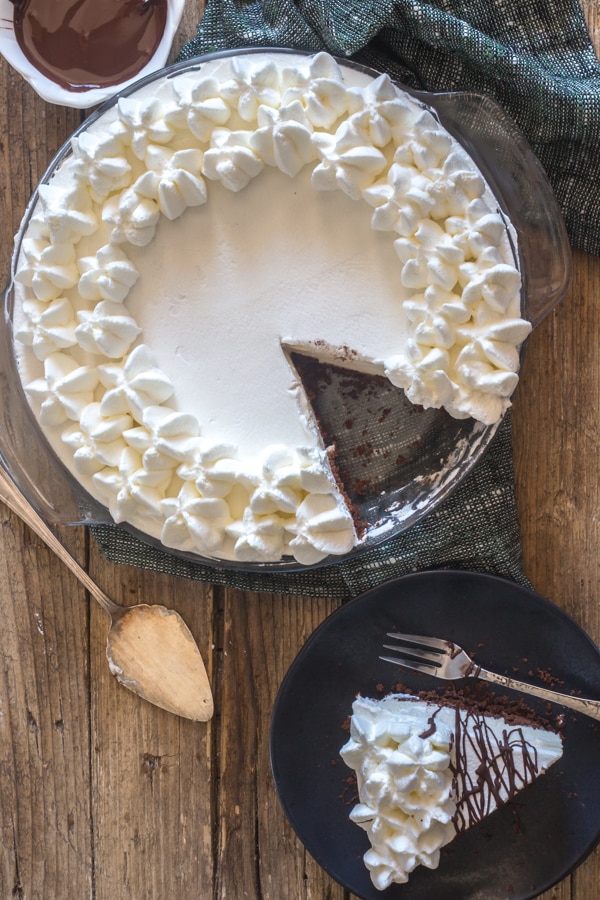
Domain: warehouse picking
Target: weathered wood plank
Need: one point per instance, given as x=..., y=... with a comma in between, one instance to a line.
x=45, y=811
x=556, y=460
x=152, y=774
x=258, y=854
x=44, y=697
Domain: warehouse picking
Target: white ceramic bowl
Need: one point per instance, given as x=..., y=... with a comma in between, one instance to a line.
x=51, y=91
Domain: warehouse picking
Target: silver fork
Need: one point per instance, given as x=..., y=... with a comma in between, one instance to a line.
x=444, y=659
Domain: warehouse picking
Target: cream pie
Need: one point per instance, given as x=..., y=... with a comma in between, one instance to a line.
x=210, y=225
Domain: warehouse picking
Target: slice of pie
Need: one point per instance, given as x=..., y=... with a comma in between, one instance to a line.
x=429, y=769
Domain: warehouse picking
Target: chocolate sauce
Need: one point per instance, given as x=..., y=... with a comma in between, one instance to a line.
x=84, y=44
x=432, y=725
x=497, y=777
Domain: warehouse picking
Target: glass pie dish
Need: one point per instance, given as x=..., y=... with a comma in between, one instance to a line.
x=427, y=452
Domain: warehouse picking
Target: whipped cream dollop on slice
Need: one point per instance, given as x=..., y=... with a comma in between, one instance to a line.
x=426, y=772
x=405, y=787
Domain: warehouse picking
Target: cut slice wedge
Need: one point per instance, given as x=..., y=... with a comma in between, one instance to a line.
x=427, y=771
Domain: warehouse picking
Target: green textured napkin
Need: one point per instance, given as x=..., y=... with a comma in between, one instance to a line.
x=537, y=61
x=534, y=57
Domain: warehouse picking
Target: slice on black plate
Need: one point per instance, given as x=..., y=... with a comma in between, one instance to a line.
x=520, y=849
x=428, y=769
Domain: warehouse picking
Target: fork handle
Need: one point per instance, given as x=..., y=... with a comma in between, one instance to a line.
x=581, y=704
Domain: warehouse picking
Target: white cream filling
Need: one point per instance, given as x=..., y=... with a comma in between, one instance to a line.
x=144, y=282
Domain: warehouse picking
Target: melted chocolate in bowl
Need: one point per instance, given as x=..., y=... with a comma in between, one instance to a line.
x=85, y=44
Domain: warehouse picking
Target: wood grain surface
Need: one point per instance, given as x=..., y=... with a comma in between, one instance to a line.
x=104, y=796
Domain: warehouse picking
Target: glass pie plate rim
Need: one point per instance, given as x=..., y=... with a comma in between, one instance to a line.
x=525, y=198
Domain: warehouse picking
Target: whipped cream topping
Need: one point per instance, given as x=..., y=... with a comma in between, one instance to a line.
x=426, y=772
x=89, y=299
x=405, y=787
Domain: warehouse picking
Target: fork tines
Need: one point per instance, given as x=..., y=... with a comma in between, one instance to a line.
x=425, y=640
x=433, y=656
x=426, y=668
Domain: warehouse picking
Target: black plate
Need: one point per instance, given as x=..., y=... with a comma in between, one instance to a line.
x=518, y=851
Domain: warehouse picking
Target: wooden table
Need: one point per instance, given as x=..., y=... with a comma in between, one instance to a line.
x=104, y=796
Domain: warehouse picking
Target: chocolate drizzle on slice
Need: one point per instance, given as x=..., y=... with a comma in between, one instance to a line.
x=432, y=725
x=506, y=764
x=492, y=758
